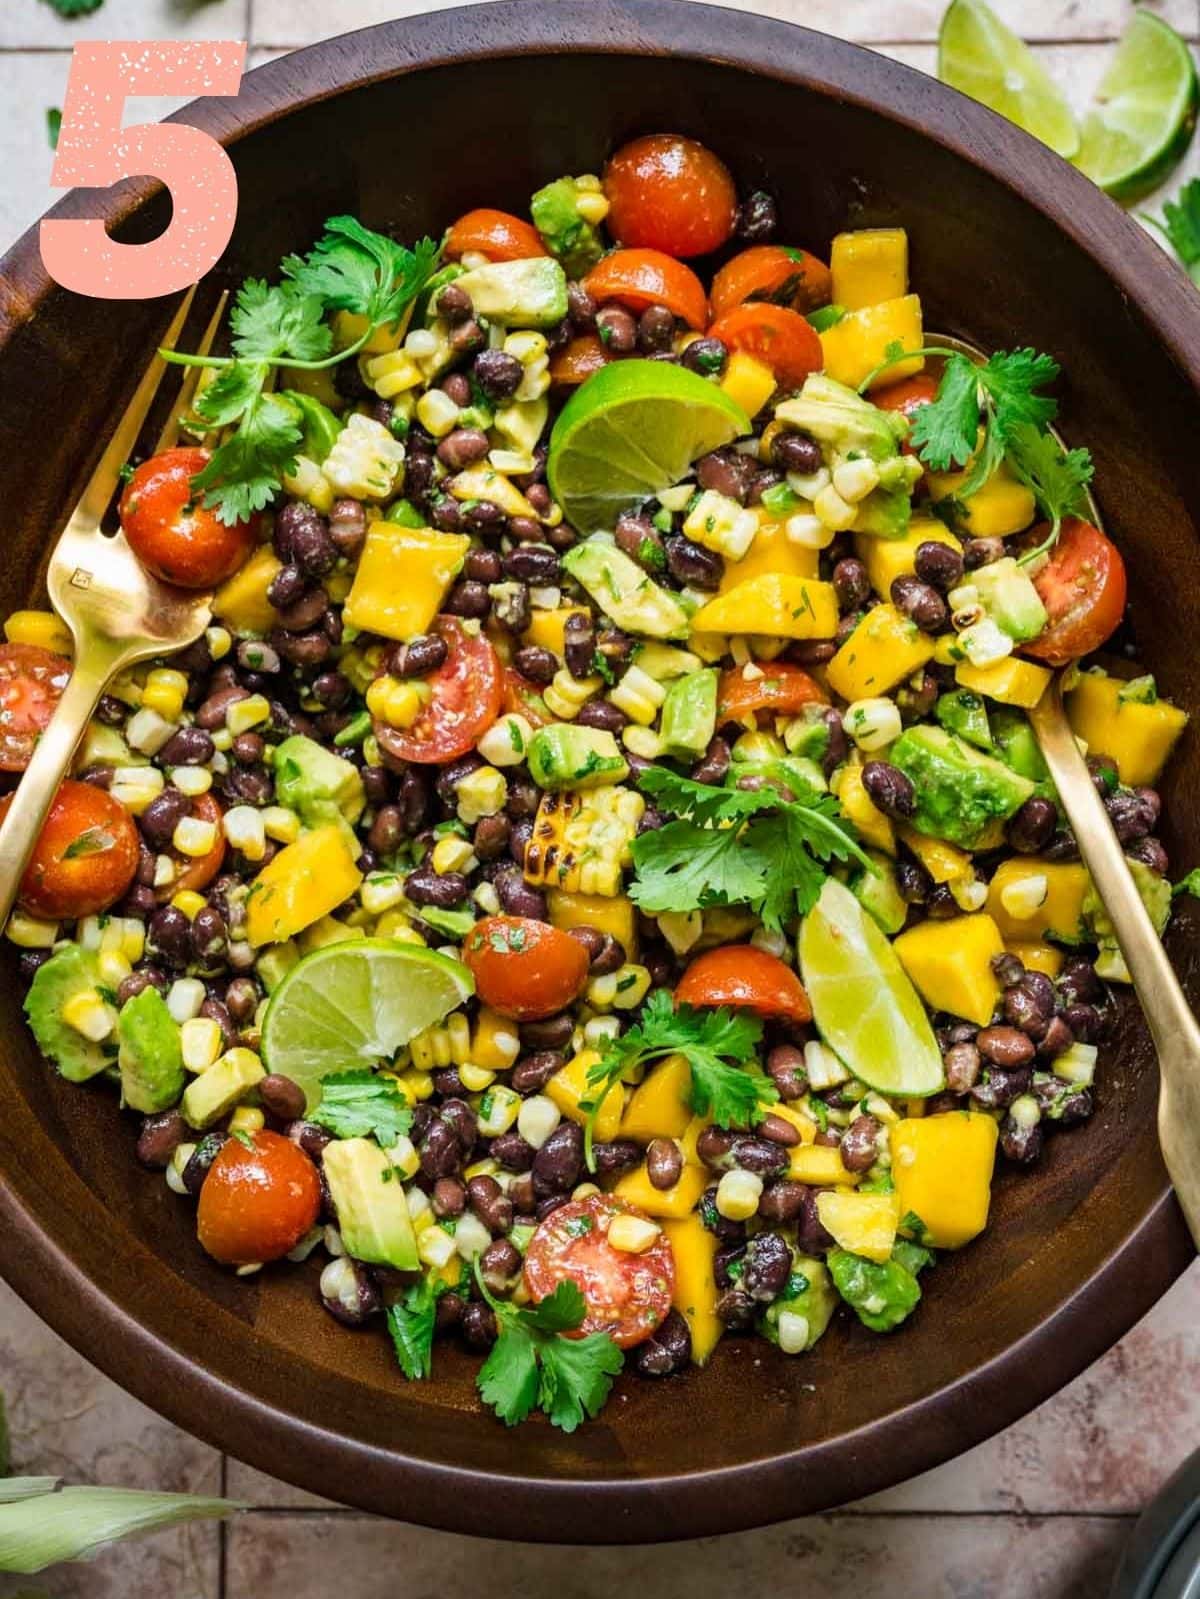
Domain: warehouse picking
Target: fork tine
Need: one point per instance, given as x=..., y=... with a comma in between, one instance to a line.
x=191, y=382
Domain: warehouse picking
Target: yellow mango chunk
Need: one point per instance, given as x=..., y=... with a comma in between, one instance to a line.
x=1002, y=506
x=788, y=607
x=1139, y=738
x=748, y=382
x=1037, y=957
x=304, y=882
x=950, y=964
x=884, y=649
x=608, y=913
x=865, y=1224
x=687, y=1143
x=658, y=1107
x=945, y=863
x=771, y=553
x=942, y=1169
x=241, y=600
x=547, y=629
x=1060, y=913
x=869, y=265
x=695, y=1296
x=402, y=578
x=874, y=825
x=888, y=559
x=635, y=1188
x=568, y=1087
x=859, y=343
x=819, y=1164
x=1011, y=681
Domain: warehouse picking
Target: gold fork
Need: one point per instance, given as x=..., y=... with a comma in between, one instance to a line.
x=116, y=611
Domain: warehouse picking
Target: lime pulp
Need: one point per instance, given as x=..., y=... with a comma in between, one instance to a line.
x=982, y=58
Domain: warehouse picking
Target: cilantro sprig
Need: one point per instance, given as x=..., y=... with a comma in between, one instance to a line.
x=411, y=1321
x=358, y=1104
x=1181, y=225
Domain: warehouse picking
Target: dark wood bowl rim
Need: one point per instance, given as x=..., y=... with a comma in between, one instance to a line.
x=1157, y=1248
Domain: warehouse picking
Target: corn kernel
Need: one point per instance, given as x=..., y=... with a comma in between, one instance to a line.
x=90, y=1016
x=184, y=998
x=592, y=208
x=26, y=932
x=481, y=793
x=475, y=1078
x=738, y=1194
x=42, y=628
x=872, y=723
x=147, y=731
x=437, y=413
x=165, y=871
x=309, y=483
x=537, y=1119
x=771, y=942
x=435, y=1247
x=164, y=691
x=174, y=1172
x=200, y=1039
x=792, y=1330
x=471, y=1237
x=397, y=701
x=486, y=897
x=417, y=1085
x=506, y=742
x=584, y=1190
x=219, y=641
x=114, y=968
x=247, y=1119
x=246, y=831
x=242, y=715
x=393, y=374
x=643, y=741
x=639, y=695
x=222, y=740
x=721, y=524
x=836, y=513
x=808, y=531
x=281, y=824
x=1022, y=896
x=970, y=893
x=191, y=780
x=597, y=1032
x=136, y=786
x=632, y=1235
x=453, y=854
x=403, y=1156
x=498, y=1110
x=566, y=695
x=854, y=480
x=822, y=1067
x=381, y=891
x=189, y=902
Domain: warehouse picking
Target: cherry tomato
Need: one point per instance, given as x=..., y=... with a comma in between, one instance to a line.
x=669, y=193
x=524, y=968
x=772, y=272
x=746, y=978
x=1083, y=590
x=907, y=397
x=627, y=1296
x=31, y=683
x=523, y=698
x=199, y=870
x=468, y=689
x=578, y=360
x=781, y=339
x=641, y=278
x=782, y=687
x=257, y=1203
x=496, y=234
x=85, y=856
x=174, y=536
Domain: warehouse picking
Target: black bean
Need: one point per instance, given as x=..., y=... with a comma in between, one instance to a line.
x=467, y=338
x=768, y=1266
x=419, y=657
x=163, y=814
x=447, y=1082
x=548, y=1032
x=159, y=1138
x=616, y=328
x=851, y=584
x=940, y=903
x=443, y=889
x=981, y=552
x=313, y=550
x=531, y=1074
x=558, y=1164
x=655, y=330
x=1031, y=828
x=130, y=987
x=1008, y=969
x=359, y=1300
x=1029, y=1004
x=1004, y=1046
x=714, y=768
x=512, y=1152
x=757, y=217
x=490, y=839
x=962, y=1065
x=191, y=746
x=890, y=788
x=1020, y=1143
x=811, y=1236
x=310, y=1138
x=706, y=356
x=637, y=537
x=797, y=452
x=712, y=1220
x=458, y=386
x=920, y=602
x=445, y=513
x=251, y=785
x=996, y=1088
x=516, y=896
x=1127, y=815
x=282, y=1097
x=478, y=1325
x=490, y=1203
x=533, y=563
x=348, y=526
x=196, y=1169
x=1151, y=853
x=839, y=745
x=860, y=1143
x=759, y=1155
x=602, y=714
x=499, y=1265
x=1057, y=1038
x=913, y=882
x=498, y=374
x=168, y=935
x=581, y=308
x=664, y=1163
x=736, y=1309
x=938, y=564
x=455, y=304
x=726, y=472
x=462, y=447
x=667, y=1350
x=714, y=1147
x=779, y=1130
x=441, y=1152
x=1078, y=981
x=1063, y=846
x=614, y=1155
x=518, y=842
x=468, y=599
x=209, y=935
x=579, y=645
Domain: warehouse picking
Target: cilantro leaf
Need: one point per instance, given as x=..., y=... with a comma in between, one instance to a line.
x=576, y=1376
x=356, y=1104
x=354, y=269
x=531, y=1363
x=1188, y=885
x=700, y=802
x=560, y=1311
x=1012, y=379
x=944, y=432
x=683, y=866
x=411, y=1321
x=1057, y=477
x=1001, y=396
x=272, y=323
x=245, y=472
x=1181, y=224
x=508, y=1380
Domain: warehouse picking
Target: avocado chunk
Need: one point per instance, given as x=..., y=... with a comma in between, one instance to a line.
x=885, y=513
x=403, y=513
x=521, y=294
x=319, y=427
x=809, y=1294
x=878, y=893
x=1007, y=594
x=882, y=1294
x=371, y=1206
x=565, y=756
x=69, y=972
x=208, y=1097
x=623, y=591
x=689, y=715
x=318, y=785
x=151, y=1056
x=964, y=712
x=1155, y=892
x=566, y=234
x=960, y=792
x=1017, y=746
x=842, y=420
x=808, y=734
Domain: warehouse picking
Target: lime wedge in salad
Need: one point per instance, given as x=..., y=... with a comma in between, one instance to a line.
x=628, y=432
x=979, y=56
x=864, y=1005
x=352, y=1005
x=1144, y=113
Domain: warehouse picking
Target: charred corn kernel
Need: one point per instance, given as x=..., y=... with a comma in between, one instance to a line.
x=738, y=1194
x=639, y=695
x=435, y=1247
x=643, y=741
x=632, y=1235
x=835, y=512
x=873, y=724
x=721, y=524
x=200, y=1039
x=475, y=1078
x=41, y=628
x=453, y=854
x=194, y=837
x=147, y=731
x=581, y=841
x=164, y=692
x=191, y=780
x=365, y=460
x=497, y=1110
x=437, y=413
x=393, y=373
x=495, y=1045
x=481, y=793
x=246, y=831
x=567, y=694
x=398, y=701
x=281, y=824
x=537, y=1119
x=505, y=743
x=854, y=480
x=26, y=932
x=681, y=929
x=90, y=1015
x=189, y=902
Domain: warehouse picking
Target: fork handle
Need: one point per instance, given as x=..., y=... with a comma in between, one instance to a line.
x=46, y=770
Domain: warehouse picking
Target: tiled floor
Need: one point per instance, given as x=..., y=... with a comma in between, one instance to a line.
x=1037, y=1513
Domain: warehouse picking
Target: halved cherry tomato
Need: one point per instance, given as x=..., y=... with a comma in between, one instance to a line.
x=907, y=398
x=524, y=968
x=257, y=1202
x=782, y=339
x=641, y=278
x=31, y=683
x=627, y=1296
x=746, y=978
x=1083, y=589
x=85, y=856
x=669, y=193
x=171, y=533
x=773, y=272
x=523, y=698
x=782, y=687
x=578, y=360
x=468, y=689
x=199, y=870
x=496, y=234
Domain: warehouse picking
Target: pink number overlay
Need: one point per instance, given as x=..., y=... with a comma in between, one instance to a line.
x=94, y=151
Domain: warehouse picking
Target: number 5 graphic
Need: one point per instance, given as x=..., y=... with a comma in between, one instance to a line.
x=94, y=150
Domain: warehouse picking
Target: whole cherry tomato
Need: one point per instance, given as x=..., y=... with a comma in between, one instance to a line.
x=641, y=278
x=258, y=1200
x=31, y=683
x=1083, y=589
x=627, y=1296
x=171, y=533
x=468, y=689
x=85, y=856
x=578, y=360
x=524, y=968
x=197, y=871
x=781, y=339
x=496, y=234
x=907, y=398
x=746, y=978
x=669, y=193
x=775, y=272
x=781, y=688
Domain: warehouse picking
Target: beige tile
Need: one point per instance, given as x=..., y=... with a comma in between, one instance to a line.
x=34, y=25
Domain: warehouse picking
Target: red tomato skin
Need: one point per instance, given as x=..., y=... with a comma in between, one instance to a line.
x=794, y=278
x=782, y=688
x=497, y=234
x=907, y=398
x=55, y=886
x=524, y=968
x=468, y=691
x=257, y=1204
x=669, y=193
x=627, y=1296
x=175, y=537
x=745, y=978
x=578, y=360
x=523, y=698
x=200, y=870
x=1083, y=588
x=782, y=339
x=31, y=683
x=639, y=278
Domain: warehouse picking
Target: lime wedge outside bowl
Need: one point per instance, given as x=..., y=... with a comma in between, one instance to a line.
x=980, y=57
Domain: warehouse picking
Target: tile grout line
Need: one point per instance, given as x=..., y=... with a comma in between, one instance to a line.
x=223, y=1534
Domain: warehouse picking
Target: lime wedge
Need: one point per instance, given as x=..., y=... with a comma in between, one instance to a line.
x=864, y=1006
x=628, y=432
x=352, y=1005
x=1144, y=114
x=979, y=56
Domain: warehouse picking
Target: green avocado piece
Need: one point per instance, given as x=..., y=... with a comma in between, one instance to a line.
x=842, y=420
x=565, y=756
x=878, y=893
x=623, y=591
x=370, y=1202
x=1007, y=594
x=808, y=734
x=1155, y=892
x=964, y=712
x=885, y=513
x=564, y=232
x=319, y=427
x=318, y=785
x=521, y=294
x=220, y=1088
x=689, y=715
x=151, y=1057
x=1016, y=744
x=960, y=792
x=809, y=1293
x=403, y=513
x=882, y=1294
x=68, y=972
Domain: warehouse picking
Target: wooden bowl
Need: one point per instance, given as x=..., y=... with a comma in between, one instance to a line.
x=407, y=125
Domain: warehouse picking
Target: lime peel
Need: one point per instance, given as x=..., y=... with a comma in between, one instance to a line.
x=982, y=58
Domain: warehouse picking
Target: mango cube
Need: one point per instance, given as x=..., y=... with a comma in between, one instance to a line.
x=942, y=1169
x=1137, y=736
x=635, y=1188
x=402, y=578
x=859, y=343
x=772, y=603
x=658, y=1107
x=884, y=649
x=300, y=885
x=950, y=964
x=568, y=1088
x=695, y=1296
x=1061, y=911
x=865, y=1224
